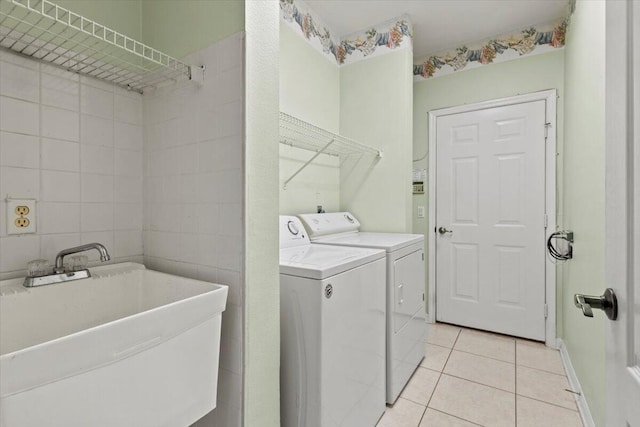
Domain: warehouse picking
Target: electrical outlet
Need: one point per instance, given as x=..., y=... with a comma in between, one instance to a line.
x=22, y=210
x=22, y=222
x=21, y=216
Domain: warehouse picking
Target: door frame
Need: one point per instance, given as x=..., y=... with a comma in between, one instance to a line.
x=550, y=98
x=622, y=206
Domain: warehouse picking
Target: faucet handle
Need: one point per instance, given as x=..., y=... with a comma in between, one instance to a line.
x=37, y=268
x=78, y=262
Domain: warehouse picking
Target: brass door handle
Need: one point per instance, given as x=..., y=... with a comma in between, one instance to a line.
x=607, y=303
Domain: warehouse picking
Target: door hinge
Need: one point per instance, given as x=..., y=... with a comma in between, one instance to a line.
x=423, y=256
x=546, y=311
x=546, y=130
x=546, y=220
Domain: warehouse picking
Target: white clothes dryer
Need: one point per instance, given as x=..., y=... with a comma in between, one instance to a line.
x=405, y=283
x=332, y=323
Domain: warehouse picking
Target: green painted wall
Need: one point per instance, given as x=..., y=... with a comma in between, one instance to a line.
x=124, y=16
x=584, y=196
x=309, y=81
x=310, y=91
x=176, y=27
x=376, y=98
x=262, y=315
x=504, y=79
x=180, y=27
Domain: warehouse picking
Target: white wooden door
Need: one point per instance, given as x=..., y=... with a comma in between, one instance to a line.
x=622, y=214
x=490, y=198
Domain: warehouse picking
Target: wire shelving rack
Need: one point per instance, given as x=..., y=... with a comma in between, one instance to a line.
x=50, y=33
x=298, y=133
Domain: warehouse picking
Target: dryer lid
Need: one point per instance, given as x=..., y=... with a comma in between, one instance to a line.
x=388, y=241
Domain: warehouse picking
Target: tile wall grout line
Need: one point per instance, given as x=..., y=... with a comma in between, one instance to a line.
x=113, y=147
x=80, y=150
x=40, y=161
x=515, y=385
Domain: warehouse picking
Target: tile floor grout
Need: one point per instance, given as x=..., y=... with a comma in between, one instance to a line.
x=493, y=358
x=548, y=403
x=493, y=387
x=440, y=373
x=456, y=417
x=439, y=376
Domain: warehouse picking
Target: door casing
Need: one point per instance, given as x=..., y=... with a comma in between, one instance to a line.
x=622, y=209
x=550, y=97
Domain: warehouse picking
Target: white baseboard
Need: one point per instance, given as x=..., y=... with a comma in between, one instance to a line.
x=583, y=408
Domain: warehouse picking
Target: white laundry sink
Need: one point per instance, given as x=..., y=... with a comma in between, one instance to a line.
x=126, y=347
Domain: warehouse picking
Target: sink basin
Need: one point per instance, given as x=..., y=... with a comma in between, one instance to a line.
x=126, y=347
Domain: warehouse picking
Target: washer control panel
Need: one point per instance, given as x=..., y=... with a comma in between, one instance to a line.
x=292, y=232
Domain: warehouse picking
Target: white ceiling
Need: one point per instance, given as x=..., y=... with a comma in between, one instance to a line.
x=440, y=24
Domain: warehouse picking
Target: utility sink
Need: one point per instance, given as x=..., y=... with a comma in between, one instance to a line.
x=126, y=347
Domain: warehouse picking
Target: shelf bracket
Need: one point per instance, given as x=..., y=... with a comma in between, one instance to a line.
x=322, y=150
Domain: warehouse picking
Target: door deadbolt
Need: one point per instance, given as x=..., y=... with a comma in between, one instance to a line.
x=443, y=230
x=607, y=303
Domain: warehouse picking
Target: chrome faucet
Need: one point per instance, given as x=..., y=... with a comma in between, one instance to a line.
x=59, y=275
x=59, y=267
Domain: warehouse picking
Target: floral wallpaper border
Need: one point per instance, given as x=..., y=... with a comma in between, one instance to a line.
x=391, y=35
x=398, y=33
x=494, y=50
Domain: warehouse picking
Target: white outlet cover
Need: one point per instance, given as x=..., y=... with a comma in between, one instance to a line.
x=420, y=211
x=12, y=204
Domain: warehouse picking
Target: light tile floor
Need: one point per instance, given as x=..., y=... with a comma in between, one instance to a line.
x=474, y=378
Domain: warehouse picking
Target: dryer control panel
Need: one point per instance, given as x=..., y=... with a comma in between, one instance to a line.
x=324, y=224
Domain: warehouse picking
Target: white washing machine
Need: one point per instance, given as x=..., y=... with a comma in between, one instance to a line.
x=332, y=323
x=405, y=283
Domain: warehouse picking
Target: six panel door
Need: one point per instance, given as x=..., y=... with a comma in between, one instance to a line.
x=490, y=198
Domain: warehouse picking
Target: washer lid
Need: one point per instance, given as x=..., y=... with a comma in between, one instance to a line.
x=388, y=241
x=322, y=261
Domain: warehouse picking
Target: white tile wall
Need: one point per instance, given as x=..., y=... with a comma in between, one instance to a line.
x=62, y=143
x=60, y=186
x=19, y=82
x=19, y=182
x=60, y=155
x=59, y=124
x=19, y=116
x=21, y=151
x=159, y=175
x=193, y=218
x=96, y=102
x=61, y=90
x=97, y=131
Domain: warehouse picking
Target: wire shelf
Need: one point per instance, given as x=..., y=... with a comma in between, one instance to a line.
x=45, y=31
x=300, y=134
